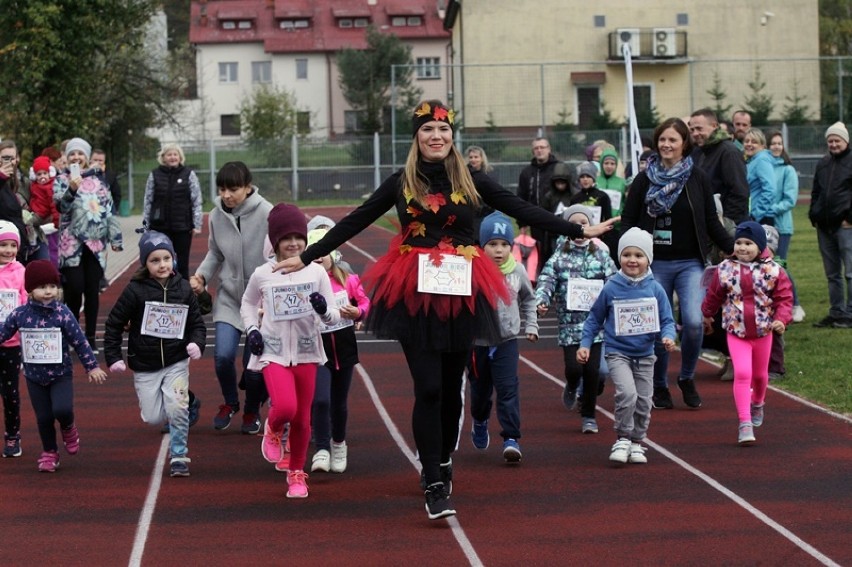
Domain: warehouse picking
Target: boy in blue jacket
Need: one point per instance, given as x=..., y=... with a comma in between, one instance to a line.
x=633, y=309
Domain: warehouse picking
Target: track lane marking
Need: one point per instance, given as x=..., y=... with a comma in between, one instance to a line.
x=734, y=497
x=147, y=514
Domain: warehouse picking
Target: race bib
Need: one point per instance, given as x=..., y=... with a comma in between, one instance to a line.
x=341, y=299
x=452, y=277
x=164, y=320
x=636, y=316
x=8, y=302
x=288, y=301
x=582, y=293
x=41, y=346
x=614, y=198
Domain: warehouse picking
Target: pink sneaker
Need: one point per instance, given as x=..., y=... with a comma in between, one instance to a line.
x=298, y=485
x=271, y=446
x=71, y=438
x=284, y=464
x=48, y=461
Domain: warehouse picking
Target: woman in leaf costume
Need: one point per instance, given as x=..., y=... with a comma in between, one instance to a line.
x=435, y=291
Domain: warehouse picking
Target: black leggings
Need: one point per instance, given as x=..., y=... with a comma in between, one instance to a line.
x=10, y=372
x=182, y=241
x=437, y=411
x=80, y=281
x=52, y=403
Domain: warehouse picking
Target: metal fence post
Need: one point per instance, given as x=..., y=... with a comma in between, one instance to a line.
x=294, y=157
x=213, y=189
x=377, y=160
x=130, y=174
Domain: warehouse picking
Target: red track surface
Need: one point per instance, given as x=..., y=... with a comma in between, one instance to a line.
x=701, y=499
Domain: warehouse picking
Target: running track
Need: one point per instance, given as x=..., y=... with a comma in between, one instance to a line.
x=701, y=499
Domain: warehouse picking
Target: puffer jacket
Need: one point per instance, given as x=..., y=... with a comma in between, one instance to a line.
x=144, y=352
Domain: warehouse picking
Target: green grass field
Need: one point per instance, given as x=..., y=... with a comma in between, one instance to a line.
x=819, y=363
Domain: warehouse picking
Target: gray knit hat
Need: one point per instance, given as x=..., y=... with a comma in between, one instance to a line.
x=638, y=238
x=587, y=168
x=582, y=209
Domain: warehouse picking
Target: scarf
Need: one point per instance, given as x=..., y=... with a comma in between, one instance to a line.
x=666, y=184
x=508, y=266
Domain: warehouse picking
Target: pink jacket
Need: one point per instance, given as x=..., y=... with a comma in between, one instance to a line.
x=12, y=278
x=289, y=325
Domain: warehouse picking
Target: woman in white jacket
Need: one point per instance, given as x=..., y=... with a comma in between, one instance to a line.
x=285, y=341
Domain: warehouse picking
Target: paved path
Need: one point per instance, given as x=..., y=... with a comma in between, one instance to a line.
x=117, y=262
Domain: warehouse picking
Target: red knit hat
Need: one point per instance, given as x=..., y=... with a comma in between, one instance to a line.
x=41, y=163
x=39, y=273
x=286, y=219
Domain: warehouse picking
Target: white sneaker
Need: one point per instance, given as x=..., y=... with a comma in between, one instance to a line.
x=339, y=453
x=637, y=454
x=746, y=433
x=620, y=451
x=798, y=314
x=321, y=461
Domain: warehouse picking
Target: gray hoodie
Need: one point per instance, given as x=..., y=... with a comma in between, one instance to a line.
x=523, y=297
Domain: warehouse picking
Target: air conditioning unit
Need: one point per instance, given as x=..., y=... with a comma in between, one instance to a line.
x=665, y=44
x=631, y=37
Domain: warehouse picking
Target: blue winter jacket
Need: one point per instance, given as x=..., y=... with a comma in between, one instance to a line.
x=761, y=185
x=786, y=195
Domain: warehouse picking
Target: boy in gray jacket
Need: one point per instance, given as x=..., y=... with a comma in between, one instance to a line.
x=495, y=367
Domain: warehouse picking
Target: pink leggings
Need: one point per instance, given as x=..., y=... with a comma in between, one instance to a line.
x=751, y=372
x=291, y=392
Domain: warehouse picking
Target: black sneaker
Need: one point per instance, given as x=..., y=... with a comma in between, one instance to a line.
x=446, y=476
x=662, y=398
x=438, y=502
x=827, y=321
x=690, y=394
x=844, y=323
x=569, y=397
x=223, y=419
x=179, y=468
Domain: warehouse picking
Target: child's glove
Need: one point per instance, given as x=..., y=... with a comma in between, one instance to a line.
x=318, y=302
x=194, y=351
x=255, y=342
x=118, y=366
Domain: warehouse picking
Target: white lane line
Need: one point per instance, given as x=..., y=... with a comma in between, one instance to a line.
x=147, y=514
x=793, y=538
x=458, y=531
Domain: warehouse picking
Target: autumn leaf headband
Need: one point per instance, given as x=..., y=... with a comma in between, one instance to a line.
x=432, y=110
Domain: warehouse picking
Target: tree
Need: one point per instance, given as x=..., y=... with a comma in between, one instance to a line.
x=603, y=120
x=759, y=104
x=718, y=94
x=268, y=119
x=493, y=141
x=365, y=78
x=74, y=71
x=796, y=113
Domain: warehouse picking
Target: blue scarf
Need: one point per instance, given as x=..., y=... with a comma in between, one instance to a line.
x=666, y=184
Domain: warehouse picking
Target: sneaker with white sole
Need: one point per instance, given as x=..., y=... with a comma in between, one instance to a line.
x=511, y=451
x=746, y=434
x=48, y=461
x=798, y=314
x=339, y=457
x=637, y=453
x=757, y=414
x=438, y=501
x=12, y=448
x=620, y=451
x=71, y=439
x=298, y=486
x=321, y=461
x=179, y=467
x=479, y=434
x=589, y=425
x=271, y=446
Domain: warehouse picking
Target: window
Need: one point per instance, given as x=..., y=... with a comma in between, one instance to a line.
x=227, y=72
x=244, y=25
x=344, y=22
x=303, y=122
x=600, y=21
x=361, y=22
x=301, y=68
x=261, y=71
x=683, y=19
x=398, y=21
x=428, y=67
x=643, y=101
x=414, y=20
x=229, y=25
x=588, y=106
x=230, y=124
x=352, y=120
x=290, y=25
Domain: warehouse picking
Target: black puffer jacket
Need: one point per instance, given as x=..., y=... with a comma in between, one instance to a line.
x=831, y=195
x=144, y=352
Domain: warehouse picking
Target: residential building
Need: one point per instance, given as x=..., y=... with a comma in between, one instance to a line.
x=242, y=44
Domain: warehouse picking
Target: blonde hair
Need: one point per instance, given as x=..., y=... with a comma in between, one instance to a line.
x=457, y=171
x=486, y=167
x=757, y=134
x=167, y=148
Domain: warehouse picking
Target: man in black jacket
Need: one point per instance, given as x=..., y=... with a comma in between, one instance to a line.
x=724, y=165
x=831, y=214
x=533, y=183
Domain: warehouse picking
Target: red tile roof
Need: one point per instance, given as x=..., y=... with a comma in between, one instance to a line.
x=323, y=33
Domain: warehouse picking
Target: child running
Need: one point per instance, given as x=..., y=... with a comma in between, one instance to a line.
x=756, y=298
x=494, y=367
x=165, y=330
x=633, y=309
x=12, y=295
x=573, y=277
x=47, y=327
x=330, y=409
x=285, y=344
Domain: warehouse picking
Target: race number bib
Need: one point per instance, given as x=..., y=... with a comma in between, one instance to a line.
x=8, y=302
x=41, y=346
x=341, y=299
x=614, y=198
x=582, y=293
x=164, y=320
x=636, y=316
x=452, y=277
x=288, y=301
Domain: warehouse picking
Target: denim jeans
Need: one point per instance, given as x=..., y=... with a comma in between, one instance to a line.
x=495, y=369
x=683, y=277
x=224, y=356
x=836, y=250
